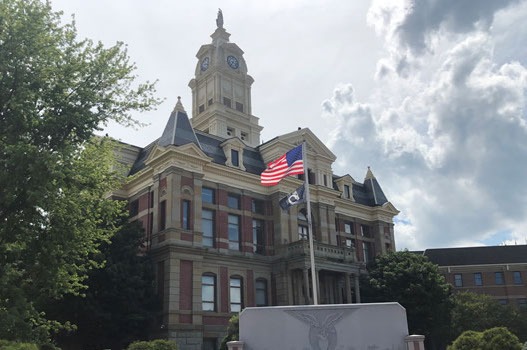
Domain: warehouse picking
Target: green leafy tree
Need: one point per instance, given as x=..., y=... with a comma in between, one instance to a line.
x=120, y=303
x=55, y=91
x=479, y=312
x=415, y=283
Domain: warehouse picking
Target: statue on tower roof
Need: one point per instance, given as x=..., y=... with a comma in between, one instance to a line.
x=219, y=19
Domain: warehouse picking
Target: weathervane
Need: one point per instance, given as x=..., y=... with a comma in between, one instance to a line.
x=219, y=19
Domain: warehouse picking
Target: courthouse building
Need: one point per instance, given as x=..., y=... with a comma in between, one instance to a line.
x=218, y=237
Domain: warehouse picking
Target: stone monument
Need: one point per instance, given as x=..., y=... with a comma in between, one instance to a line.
x=376, y=326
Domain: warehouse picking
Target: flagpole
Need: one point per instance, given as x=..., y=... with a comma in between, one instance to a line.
x=310, y=227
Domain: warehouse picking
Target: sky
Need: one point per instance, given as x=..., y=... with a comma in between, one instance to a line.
x=431, y=94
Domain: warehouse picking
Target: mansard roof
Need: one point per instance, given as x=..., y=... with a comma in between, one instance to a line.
x=179, y=132
x=506, y=254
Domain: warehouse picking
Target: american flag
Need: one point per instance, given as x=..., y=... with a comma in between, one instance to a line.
x=290, y=163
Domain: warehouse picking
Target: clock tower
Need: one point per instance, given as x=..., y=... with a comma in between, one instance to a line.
x=221, y=90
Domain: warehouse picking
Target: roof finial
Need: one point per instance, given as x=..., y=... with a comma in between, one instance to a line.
x=369, y=174
x=219, y=19
x=179, y=106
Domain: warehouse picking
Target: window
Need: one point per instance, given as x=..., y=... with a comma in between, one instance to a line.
x=244, y=136
x=458, y=280
x=522, y=303
x=207, y=195
x=498, y=277
x=325, y=180
x=478, y=279
x=134, y=208
x=236, y=294
x=258, y=236
x=302, y=232
x=162, y=215
x=257, y=206
x=185, y=214
x=239, y=106
x=349, y=243
x=210, y=102
x=201, y=108
x=348, y=227
x=235, y=157
x=230, y=131
x=517, y=276
x=209, y=344
x=302, y=225
x=503, y=301
x=365, y=230
x=261, y=292
x=366, y=251
x=227, y=102
x=207, y=225
x=208, y=293
x=347, y=191
x=233, y=201
x=234, y=232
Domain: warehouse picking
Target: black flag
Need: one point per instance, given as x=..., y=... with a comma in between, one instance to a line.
x=294, y=198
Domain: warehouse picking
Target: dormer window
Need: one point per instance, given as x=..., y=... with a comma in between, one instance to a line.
x=239, y=106
x=201, y=108
x=244, y=136
x=235, y=157
x=227, y=102
x=233, y=150
x=347, y=193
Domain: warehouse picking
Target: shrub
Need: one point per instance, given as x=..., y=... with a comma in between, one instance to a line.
x=233, y=332
x=158, y=344
x=11, y=345
x=491, y=339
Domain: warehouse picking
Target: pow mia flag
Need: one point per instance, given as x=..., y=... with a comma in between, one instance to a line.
x=293, y=198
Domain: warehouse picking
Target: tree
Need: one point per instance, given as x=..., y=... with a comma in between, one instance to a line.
x=415, y=283
x=479, y=312
x=468, y=340
x=55, y=92
x=119, y=303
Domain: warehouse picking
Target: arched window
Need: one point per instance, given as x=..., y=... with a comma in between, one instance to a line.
x=302, y=225
x=236, y=293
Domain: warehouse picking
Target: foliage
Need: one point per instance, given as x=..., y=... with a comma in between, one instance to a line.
x=11, y=345
x=55, y=91
x=524, y=346
x=468, y=340
x=479, y=312
x=158, y=344
x=233, y=332
x=414, y=282
x=120, y=301
x=490, y=339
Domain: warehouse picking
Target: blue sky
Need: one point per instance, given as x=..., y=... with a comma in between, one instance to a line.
x=430, y=94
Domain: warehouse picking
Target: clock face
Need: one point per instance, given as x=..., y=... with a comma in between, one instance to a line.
x=233, y=62
x=205, y=64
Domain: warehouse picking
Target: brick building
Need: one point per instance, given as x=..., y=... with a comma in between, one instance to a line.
x=499, y=271
x=219, y=239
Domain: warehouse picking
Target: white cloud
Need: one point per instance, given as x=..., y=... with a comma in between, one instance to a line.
x=445, y=129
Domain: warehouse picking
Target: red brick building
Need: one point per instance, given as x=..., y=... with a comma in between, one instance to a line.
x=219, y=238
x=499, y=271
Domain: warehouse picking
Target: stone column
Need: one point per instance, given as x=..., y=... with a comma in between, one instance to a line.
x=357, y=289
x=415, y=342
x=318, y=283
x=307, y=296
x=347, y=284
